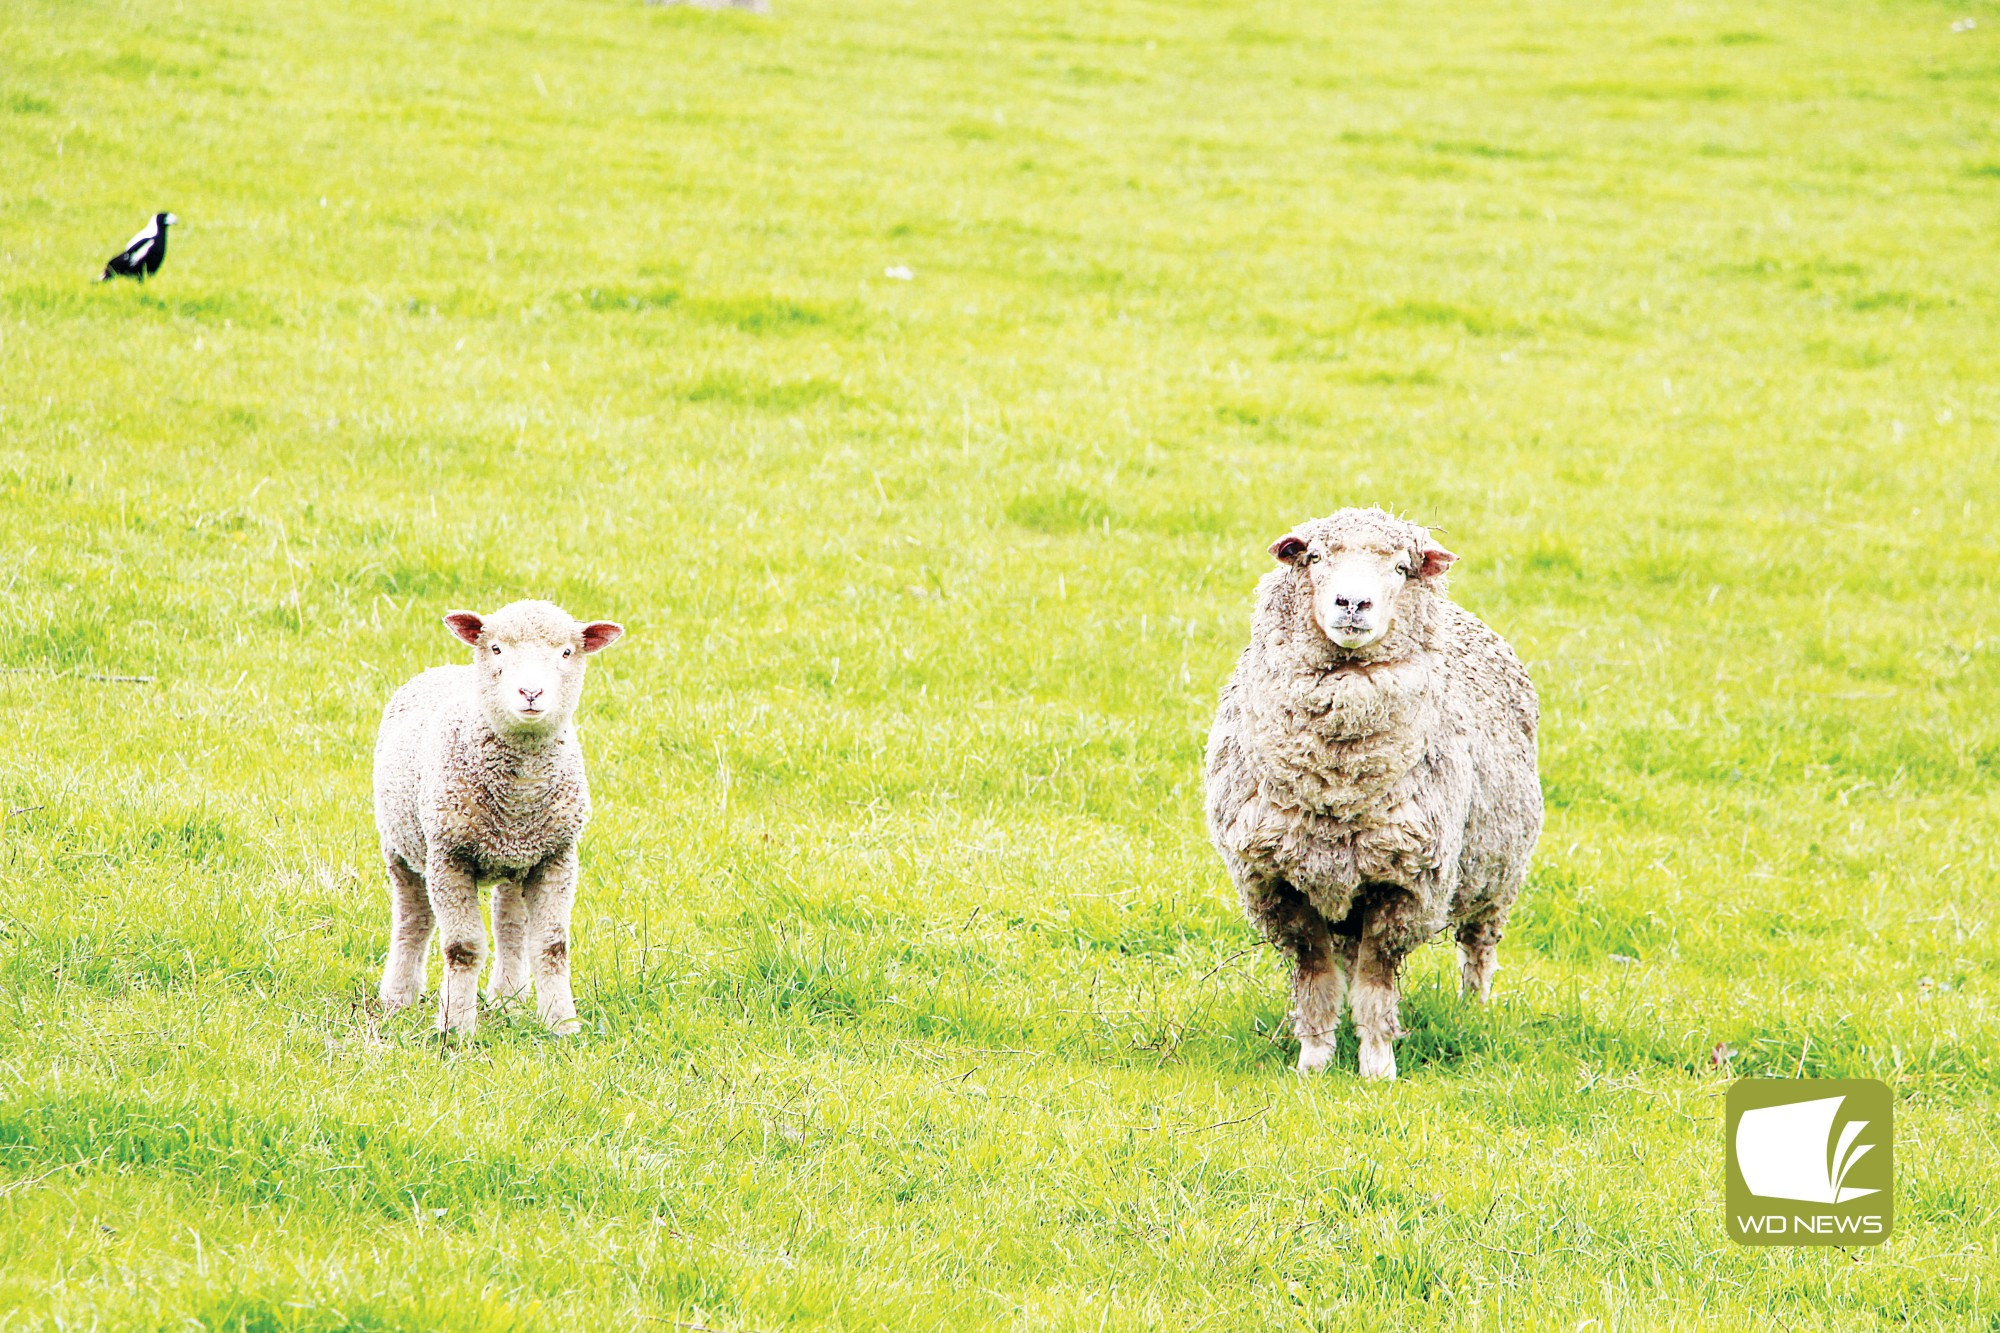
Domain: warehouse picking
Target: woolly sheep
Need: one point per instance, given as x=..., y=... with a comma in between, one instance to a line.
x=1371, y=774
x=479, y=779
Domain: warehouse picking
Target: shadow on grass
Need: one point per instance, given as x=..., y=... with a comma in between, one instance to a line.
x=737, y=390
x=246, y=1312
x=759, y=314
x=1071, y=510
x=267, y=1156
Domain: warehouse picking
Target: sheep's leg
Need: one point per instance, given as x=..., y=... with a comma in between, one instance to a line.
x=1344, y=950
x=1375, y=1019
x=1479, y=957
x=410, y=927
x=1388, y=932
x=1319, y=993
x=510, y=944
x=1319, y=979
x=549, y=890
x=455, y=901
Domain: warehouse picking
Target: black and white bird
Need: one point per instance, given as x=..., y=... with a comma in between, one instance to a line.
x=142, y=256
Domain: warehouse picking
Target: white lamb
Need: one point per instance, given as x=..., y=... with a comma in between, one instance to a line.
x=479, y=779
x=1371, y=774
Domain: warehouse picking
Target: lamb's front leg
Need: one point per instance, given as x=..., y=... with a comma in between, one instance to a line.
x=455, y=903
x=510, y=944
x=549, y=891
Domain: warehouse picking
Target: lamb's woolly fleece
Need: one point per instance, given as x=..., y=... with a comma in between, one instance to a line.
x=450, y=776
x=471, y=791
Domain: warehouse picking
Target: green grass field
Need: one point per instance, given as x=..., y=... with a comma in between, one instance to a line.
x=913, y=995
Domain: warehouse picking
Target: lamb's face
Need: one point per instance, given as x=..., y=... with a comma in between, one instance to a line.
x=528, y=658
x=1362, y=575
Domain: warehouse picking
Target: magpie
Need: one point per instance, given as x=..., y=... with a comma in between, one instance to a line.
x=142, y=256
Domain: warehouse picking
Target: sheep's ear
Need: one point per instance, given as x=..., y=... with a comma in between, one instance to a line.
x=465, y=625
x=601, y=634
x=1288, y=548
x=1436, y=561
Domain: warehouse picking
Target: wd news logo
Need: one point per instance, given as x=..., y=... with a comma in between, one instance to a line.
x=1810, y=1161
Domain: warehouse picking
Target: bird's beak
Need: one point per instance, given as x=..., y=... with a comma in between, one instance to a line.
x=173, y=221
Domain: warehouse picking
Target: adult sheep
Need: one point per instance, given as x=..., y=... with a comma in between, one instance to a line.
x=479, y=779
x=1371, y=774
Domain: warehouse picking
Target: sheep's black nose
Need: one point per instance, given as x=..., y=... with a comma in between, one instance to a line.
x=1351, y=603
x=530, y=695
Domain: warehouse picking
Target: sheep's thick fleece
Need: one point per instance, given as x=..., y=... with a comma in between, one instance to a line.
x=1365, y=798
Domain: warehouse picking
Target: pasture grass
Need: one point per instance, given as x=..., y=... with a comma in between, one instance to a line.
x=913, y=995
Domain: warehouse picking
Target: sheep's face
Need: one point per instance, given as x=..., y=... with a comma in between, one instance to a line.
x=528, y=657
x=1361, y=577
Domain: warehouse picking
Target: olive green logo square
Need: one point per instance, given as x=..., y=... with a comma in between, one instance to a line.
x=1811, y=1161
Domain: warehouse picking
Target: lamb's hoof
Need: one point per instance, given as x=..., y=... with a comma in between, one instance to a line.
x=1378, y=1061
x=392, y=1000
x=1314, y=1055
x=563, y=1025
x=459, y=1025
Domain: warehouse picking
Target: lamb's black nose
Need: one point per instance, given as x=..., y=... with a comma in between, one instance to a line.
x=530, y=695
x=1352, y=604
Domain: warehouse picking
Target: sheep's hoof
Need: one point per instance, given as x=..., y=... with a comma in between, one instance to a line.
x=1314, y=1055
x=565, y=1027
x=1378, y=1061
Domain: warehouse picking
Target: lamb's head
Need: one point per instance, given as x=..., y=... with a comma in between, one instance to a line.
x=1366, y=572
x=528, y=659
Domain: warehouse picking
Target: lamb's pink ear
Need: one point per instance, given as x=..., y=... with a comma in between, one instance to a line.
x=601, y=634
x=1288, y=548
x=465, y=625
x=1436, y=561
